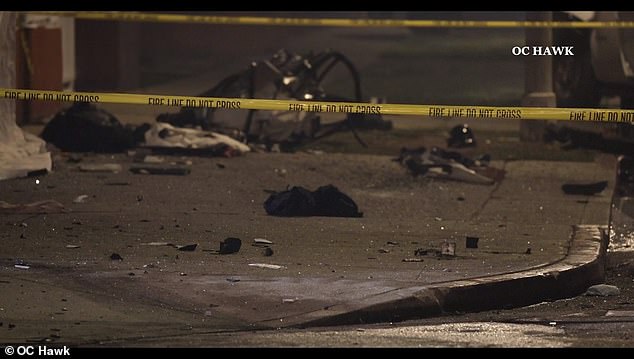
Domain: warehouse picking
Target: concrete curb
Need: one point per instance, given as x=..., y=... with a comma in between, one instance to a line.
x=583, y=266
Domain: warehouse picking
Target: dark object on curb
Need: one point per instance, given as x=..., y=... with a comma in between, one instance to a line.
x=472, y=242
x=284, y=76
x=326, y=201
x=160, y=169
x=230, y=245
x=586, y=189
x=188, y=247
x=626, y=169
x=571, y=138
x=267, y=252
x=85, y=128
x=461, y=136
x=116, y=257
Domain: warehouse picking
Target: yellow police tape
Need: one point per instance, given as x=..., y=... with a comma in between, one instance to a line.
x=428, y=111
x=286, y=21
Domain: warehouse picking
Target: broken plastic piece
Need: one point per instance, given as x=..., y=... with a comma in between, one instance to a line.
x=472, y=242
x=230, y=245
x=188, y=247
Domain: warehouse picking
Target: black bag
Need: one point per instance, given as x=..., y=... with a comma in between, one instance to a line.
x=85, y=128
x=326, y=201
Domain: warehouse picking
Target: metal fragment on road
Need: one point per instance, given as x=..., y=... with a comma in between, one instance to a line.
x=262, y=241
x=158, y=244
x=188, y=247
x=265, y=265
x=81, y=198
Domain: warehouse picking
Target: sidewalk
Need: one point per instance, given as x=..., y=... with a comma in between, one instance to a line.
x=334, y=270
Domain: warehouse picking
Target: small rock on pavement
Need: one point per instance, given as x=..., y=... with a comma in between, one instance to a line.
x=603, y=290
x=267, y=252
x=116, y=257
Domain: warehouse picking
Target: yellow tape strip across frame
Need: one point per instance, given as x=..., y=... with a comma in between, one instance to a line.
x=428, y=111
x=286, y=21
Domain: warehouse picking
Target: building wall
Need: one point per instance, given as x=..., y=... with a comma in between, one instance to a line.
x=7, y=74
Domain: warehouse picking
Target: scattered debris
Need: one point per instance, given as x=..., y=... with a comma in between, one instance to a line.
x=131, y=274
x=116, y=257
x=22, y=236
x=170, y=139
x=289, y=300
x=326, y=201
x=187, y=248
x=160, y=169
x=267, y=252
x=528, y=250
x=101, y=167
x=448, y=249
x=76, y=221
x=262, y=241
x=587, y=189
x=182, y=274
x=472, y=242
x=460, y=199
x=383, y=250
x=46, y=206
x=602, y=290
x=230, y=245
x=21, y=266
x=461, y=136
x=81, y=198
x=413, y=259
x=267, y=266
x=392, y=243
x=426, y=252
x=284, y=75
x=72, y=246
x=445, y=164
x=220, y=165
x=233, y=280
